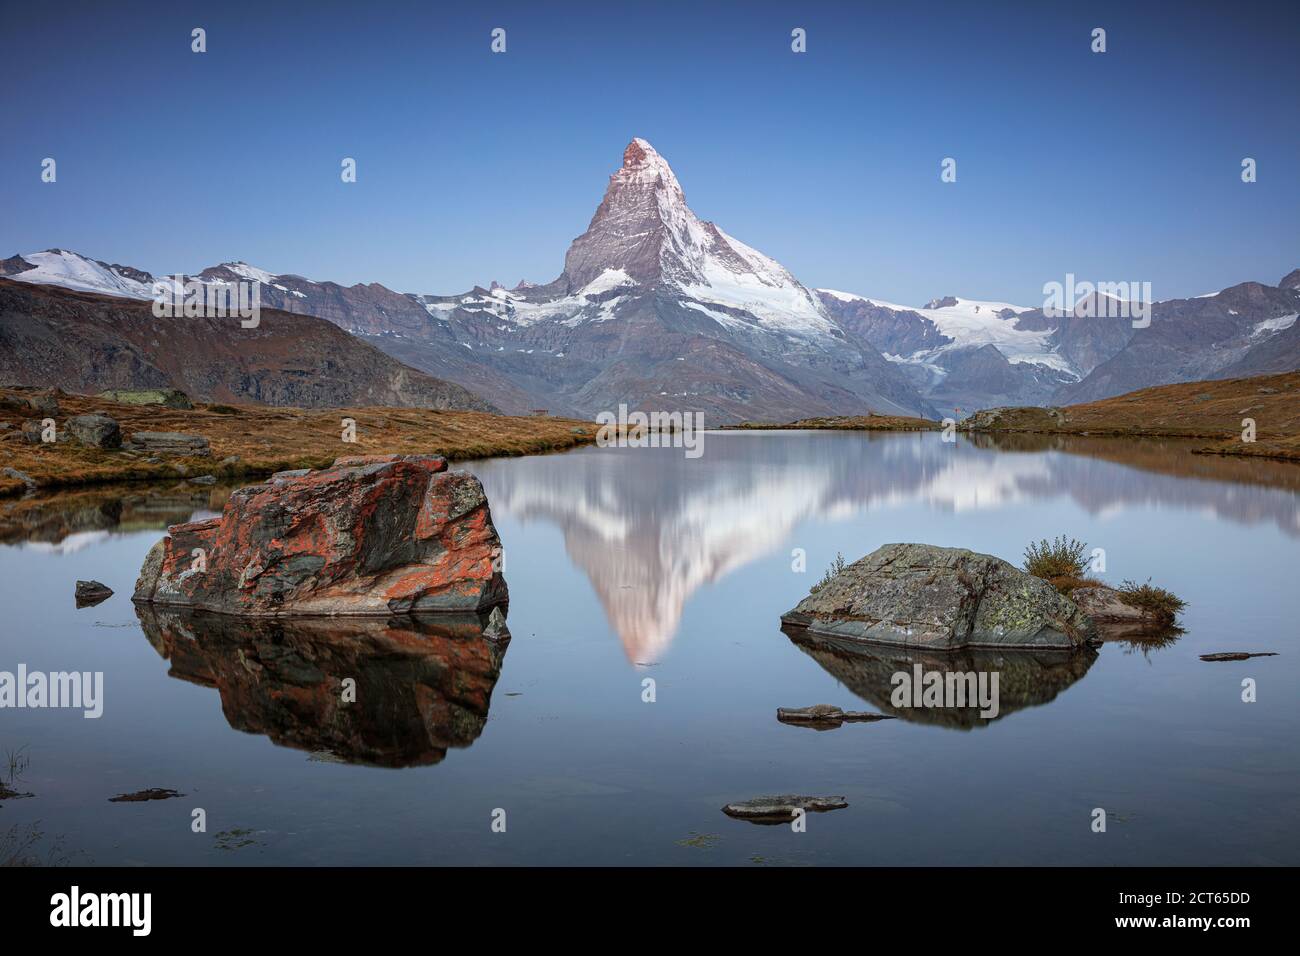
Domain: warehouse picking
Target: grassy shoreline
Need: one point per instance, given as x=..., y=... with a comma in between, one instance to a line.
x=255, y=441
x=856, y=423
x=251, y=442
x=1211, y=410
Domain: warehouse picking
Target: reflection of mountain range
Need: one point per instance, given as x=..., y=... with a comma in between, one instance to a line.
x=423, y=685
x=1025, y=678
x=649, y=527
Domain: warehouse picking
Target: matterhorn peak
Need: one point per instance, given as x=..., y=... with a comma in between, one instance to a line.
x=642, y=164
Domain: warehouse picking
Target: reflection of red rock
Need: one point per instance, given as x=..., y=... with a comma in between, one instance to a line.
x=423, y=684
x=369, y=535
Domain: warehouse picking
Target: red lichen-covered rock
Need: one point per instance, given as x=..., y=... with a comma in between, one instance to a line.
x=377, y=534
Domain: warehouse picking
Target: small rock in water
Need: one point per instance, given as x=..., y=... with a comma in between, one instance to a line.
x=780, y=809
x=204, y=480
x=90, y=593
x=825, y=716
x=1236, y=655
x=153, y=793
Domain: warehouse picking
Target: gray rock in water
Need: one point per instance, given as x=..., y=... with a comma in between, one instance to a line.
x=95, y=431
x=780, y=809
x=919, y=595
x=90, y=593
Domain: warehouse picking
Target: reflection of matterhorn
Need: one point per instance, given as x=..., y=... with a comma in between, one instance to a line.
x=649, y=527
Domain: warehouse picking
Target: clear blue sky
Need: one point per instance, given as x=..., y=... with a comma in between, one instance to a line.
x=474, y=166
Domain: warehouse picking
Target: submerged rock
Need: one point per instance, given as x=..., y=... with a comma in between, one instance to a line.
x=780, y=809
x=825, y=716
x=153, y=793
x=920, y=595
x=90, y=593
x=369, y=535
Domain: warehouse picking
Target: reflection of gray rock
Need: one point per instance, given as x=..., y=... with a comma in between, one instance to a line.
x=920, y=595
x=421, y=685
x=1026, y=678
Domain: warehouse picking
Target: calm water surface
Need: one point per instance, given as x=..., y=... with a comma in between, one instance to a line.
x=628, y=564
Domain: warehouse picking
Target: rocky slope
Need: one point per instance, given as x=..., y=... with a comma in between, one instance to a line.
x=88, y=343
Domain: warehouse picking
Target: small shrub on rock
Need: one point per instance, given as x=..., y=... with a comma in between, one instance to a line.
x=1062, y=558
x=1156, y=604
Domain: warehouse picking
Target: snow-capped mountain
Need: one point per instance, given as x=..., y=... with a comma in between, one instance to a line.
x=72, y=271
x=964, y=354
x=655, y=307
x=662, y=310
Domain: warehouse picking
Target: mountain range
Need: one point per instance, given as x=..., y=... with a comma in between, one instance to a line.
x=662, y=310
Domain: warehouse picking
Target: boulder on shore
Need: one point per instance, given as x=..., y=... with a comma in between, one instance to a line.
x=95, y=431
x=920, y=595
x=380, y=534
x=1015, y=418
x=169, y=397
x=169, y=443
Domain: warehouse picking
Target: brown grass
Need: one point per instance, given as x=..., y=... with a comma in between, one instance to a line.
x=1067, y=583
x=1155, y=603
x=268, y=439
x=1213, y=409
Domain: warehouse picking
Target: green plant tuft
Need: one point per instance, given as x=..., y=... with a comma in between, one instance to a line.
x=836, y=567
x=1062, y=558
